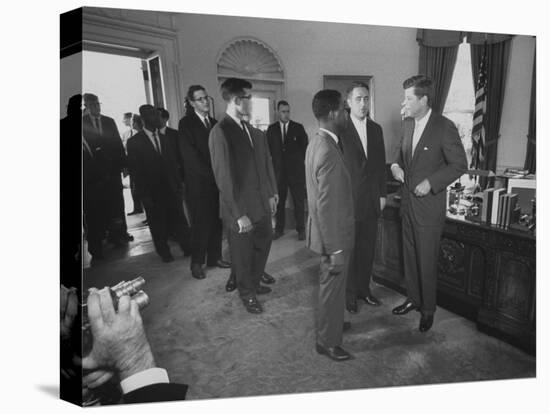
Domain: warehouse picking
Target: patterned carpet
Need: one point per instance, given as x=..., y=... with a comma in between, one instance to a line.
x=205, y=338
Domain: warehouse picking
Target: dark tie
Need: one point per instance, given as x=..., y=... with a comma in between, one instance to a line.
x=207, y=123
x=157, y=141
x=340, y=145
x=284, y=133
x=245, y=129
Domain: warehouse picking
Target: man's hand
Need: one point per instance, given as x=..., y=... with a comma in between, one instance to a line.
x=336, y=263
x=382, y=203
x=119, y=343
x=244, y=223
x=398, y=173
x=96, y=378
x=273, y=204
x=68, y=311
x=423, y=188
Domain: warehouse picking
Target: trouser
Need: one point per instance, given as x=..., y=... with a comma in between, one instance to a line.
x=297, y=189
x=138, y=207
x=362, y=258
x=249, y=253
x=166, y=217
x=332, y=295
x=206, y=226
x=420, y=255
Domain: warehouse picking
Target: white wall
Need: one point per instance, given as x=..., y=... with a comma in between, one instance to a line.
x=71, y=80
x=308, y=51
x=514, y=123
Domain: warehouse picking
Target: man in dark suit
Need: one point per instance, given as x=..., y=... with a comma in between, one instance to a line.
x=248, y=196
x=428, y=159
x=331, y=222
x=365, y=157
x=203, y=197
x=100, y=128
x=152, y=161
x=287, y=143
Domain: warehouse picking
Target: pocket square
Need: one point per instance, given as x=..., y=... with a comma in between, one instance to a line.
x=426, y=148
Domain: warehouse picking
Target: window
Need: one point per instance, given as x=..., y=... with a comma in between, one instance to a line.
x=259, y=116
x=460, y=103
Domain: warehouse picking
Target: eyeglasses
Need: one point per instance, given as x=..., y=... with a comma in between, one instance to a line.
x=245, y=97
x=202, y=98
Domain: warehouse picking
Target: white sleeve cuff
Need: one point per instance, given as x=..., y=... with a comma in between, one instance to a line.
x=144, y=378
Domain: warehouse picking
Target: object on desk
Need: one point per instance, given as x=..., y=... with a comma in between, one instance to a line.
x=526, y=190
x=487, y=205
x=497, y=196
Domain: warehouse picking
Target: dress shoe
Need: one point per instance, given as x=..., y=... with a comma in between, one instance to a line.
x=404, y=308
x=277, y=235
x=197, y=272
x=335, y=353
x=167, y=258
x=128, y=237
x=351, y=306
x=252, y=305
x=301, y=235
x=222, y=264
x=145, y=222
x=231, y=284
x=426, y=322
x=267, y=279
x=262, y=290
x=346, y=327
x=371, y=300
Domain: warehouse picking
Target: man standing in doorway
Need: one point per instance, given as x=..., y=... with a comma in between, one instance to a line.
x=248, y=196
x=203, y=197
x=428, y=159
x=331, y=221
x=365, y=157
x=287, y=142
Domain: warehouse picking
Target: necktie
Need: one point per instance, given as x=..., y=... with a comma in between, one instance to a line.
x=245, y=129
x=284, y=133
x=207, y=123
x=340, y=145
x=157, y=141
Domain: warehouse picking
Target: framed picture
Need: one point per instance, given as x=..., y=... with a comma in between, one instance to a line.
x=342, y=82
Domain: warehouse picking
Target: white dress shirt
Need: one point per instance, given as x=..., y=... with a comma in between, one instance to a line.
x=284, y=131
x=419, y=126
x=202, y=118
x=141, y=379
x=239, y=123
x=361, y=128
x=332, y=134
x=152, y=139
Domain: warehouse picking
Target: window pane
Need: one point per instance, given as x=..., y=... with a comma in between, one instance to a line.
x=259, y=116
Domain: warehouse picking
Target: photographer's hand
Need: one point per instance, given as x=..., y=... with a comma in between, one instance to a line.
x=119, y=341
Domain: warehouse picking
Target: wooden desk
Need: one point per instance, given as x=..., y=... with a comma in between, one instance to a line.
x=486, y=274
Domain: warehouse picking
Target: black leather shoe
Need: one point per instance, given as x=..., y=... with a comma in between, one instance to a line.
x=128, y=237
x=222, y=264
x=404, y=308
x=371, y=300
x=262, y=290
x=231, y=284
x=267, y=279
x=197, y=272
x=301, y=235
x=346, y=327
x=426, y=322
x=351, y=306
x=252, y=305
x=277, y=235
x=167, y=258
x=335, y=353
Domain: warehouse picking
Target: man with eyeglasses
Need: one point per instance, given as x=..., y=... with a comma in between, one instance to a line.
x=201, y=189
x=243, y=171
x=101, y=133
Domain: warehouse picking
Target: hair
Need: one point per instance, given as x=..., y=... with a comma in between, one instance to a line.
x=423, y=86
x=164, y=114
x=356, y=84
x=282, y=103
x=144, y=109
x=127, y=115
x=234, y=87
x=325, y=101
x=191, y=91
x=90, y=97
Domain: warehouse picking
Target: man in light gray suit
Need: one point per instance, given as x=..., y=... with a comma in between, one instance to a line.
x=331, y=220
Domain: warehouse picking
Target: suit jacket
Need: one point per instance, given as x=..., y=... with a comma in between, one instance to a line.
x=331, y=225
x=193, y=140
x=109, y=140
x=155, y=175
x=289, y=158
x=439, y=156
x=244, y=173
x=368, y=176
x=156, y=393
x=173, y=137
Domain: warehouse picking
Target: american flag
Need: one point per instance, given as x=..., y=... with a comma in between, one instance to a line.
x=478, y=129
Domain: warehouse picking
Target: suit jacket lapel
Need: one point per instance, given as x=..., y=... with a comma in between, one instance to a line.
x=408, y=130
x=423, y=138
x=357, y=141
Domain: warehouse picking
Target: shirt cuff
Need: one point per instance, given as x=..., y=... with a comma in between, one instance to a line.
x=393, y=165
x=144, y=378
